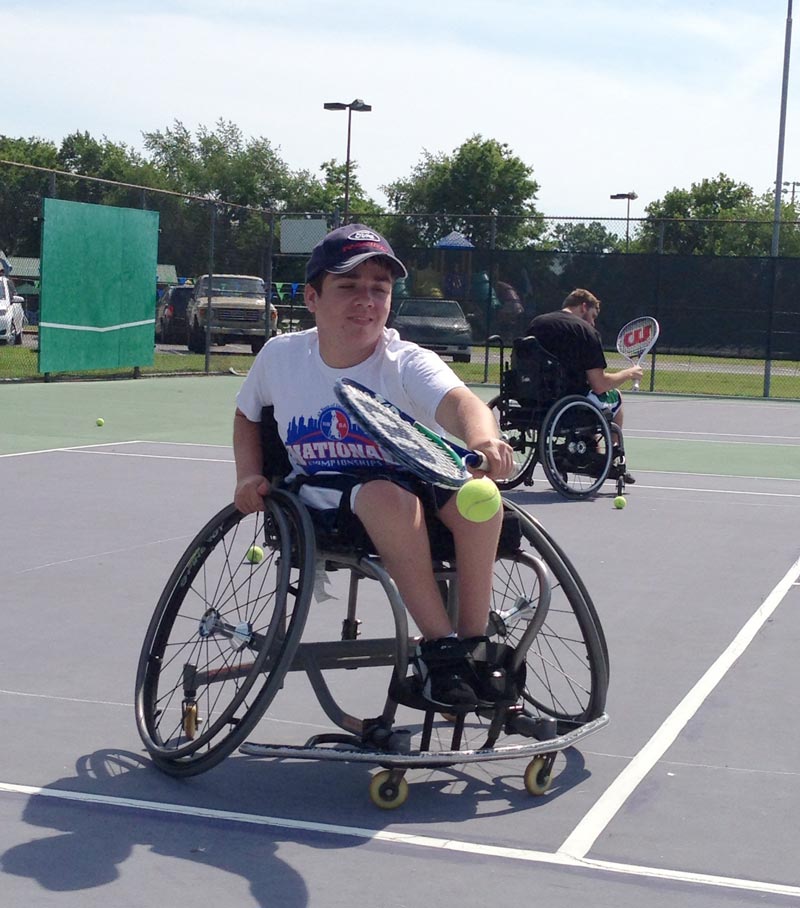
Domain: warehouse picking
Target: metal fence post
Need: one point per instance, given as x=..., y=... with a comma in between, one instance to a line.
x=492, y=242
x=268, y=273
x=210, y=284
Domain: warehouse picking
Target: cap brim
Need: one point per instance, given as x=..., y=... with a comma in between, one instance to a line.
x=398, y=267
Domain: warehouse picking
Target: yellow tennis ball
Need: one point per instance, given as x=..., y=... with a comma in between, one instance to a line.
x=619, y=502
x=100, y=421
x=254, y=554
x=478, y=500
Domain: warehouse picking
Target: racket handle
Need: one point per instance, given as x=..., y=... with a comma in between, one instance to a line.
x=636, y=386
x=477, y=460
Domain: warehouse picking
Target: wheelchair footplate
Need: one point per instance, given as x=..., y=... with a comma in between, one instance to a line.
x=446, y=737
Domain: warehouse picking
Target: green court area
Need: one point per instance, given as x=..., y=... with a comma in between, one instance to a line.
x=728, y=458
x=195, y=409
x=199, y=409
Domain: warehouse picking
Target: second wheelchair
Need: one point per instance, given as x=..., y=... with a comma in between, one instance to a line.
x=577, y=443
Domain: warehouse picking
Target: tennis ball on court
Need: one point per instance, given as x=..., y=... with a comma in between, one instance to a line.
x=100, y=421
x=478, y=499
x=619, y=502
x=254, y=554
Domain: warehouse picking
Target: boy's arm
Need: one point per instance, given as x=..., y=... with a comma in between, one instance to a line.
x=466, y=416
x=251, y=484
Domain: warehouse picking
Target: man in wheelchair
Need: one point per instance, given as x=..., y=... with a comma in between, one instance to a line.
x=344, y=475
x=569, y=334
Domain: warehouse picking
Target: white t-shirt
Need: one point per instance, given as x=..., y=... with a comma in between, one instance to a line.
x=290, y=375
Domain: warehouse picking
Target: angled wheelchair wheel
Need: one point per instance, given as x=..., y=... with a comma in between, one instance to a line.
x=563, y=648
x=522, y=439
x=576, y=449
x=224, y=633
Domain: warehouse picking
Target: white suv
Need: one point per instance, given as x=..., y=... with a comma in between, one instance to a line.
x=12, y=313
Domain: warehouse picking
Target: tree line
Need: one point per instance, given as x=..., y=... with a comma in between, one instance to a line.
x=481, y=189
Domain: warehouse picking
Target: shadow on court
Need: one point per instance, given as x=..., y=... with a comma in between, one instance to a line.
x=99, y=834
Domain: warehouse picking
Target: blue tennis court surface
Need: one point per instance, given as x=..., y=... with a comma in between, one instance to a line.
x=689, y=796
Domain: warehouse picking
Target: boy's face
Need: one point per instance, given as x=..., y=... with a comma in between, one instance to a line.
x=351, y=310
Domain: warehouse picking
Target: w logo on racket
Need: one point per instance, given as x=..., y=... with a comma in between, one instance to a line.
x=638, y=336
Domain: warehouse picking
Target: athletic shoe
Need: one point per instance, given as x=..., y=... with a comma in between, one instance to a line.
x=441, y=665
x=629, y=480
x=487, y=679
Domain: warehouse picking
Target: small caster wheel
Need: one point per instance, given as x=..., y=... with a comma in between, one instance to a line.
x=537, y=776
x=190, y=720
x=386, y=794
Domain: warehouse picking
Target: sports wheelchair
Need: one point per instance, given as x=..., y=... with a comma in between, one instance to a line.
x=228, y=629
x=577, y=443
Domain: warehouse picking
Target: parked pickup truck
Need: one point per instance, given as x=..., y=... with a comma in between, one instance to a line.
x=240, y=312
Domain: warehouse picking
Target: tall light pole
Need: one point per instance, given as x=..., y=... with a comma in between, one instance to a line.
x=776, y=224
x=787, y=49
x=630, y=196
x=359, y=106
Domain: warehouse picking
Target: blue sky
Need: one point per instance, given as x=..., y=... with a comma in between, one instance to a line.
x=598, y=96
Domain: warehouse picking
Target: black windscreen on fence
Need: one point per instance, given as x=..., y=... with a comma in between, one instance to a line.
x=707, y=305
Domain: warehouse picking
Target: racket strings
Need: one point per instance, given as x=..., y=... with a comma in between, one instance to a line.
x=402, y=438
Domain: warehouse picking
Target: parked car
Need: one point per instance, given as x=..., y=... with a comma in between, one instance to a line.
x=240, y=312
x=12, y=313
x=171, y=314
x=438, y=325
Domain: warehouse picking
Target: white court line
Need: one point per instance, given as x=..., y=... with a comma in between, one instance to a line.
x=91, y=702
x=585, y=834
x=106, y=444
x=92, y=555
x=714, y=441
x=153, y=456
x=668, y=433
x=400, y=838
x=721, y=491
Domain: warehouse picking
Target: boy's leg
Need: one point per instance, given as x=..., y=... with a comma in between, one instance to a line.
x=395, y=521
x=476, y=550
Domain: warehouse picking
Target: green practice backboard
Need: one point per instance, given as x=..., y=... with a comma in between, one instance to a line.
x=98, y=287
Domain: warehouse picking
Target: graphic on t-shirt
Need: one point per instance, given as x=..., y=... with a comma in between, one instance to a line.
x=332, y=442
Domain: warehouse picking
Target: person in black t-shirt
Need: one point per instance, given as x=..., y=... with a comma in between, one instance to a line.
x=571, y=337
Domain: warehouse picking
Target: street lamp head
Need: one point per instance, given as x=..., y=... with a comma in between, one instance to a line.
x=624, y=195
x=357, y=105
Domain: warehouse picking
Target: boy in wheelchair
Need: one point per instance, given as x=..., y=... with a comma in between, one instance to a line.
x=570, y=335
x=340, y=472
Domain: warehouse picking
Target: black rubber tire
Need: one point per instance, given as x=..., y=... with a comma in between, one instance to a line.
x=223, y=634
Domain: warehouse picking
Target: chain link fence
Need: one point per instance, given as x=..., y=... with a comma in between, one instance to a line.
x=730, y=324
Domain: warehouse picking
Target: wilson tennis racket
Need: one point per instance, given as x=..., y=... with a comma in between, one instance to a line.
x=414, y=446
x=636, y=339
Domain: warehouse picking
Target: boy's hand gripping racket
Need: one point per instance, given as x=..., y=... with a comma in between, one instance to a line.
x=413, y=445
x=636, y=339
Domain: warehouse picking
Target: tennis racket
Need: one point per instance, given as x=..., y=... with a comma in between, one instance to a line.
x=636, y=339
x=414, y=446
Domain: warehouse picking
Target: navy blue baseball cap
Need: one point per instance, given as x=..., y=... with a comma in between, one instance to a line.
x=344, y=248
